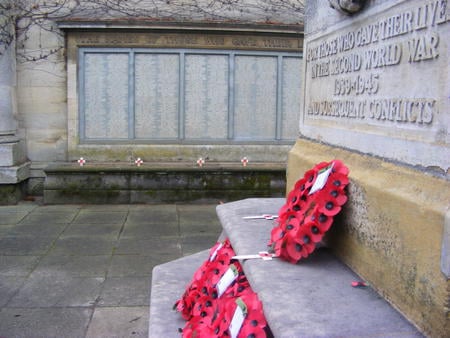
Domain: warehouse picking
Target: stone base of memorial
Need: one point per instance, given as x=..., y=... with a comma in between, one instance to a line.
x=394, y=231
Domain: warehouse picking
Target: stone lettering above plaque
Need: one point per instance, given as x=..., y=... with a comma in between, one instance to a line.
x=382, y=74
x=171, y=40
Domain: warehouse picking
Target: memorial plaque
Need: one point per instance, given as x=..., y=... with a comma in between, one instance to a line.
x=255, y=102
x=291, y=98
x=379, y=83
x=106, y=96
x=156, y=96
x=206, y=97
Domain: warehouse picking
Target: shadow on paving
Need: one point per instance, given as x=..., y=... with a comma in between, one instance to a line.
x=85, y=270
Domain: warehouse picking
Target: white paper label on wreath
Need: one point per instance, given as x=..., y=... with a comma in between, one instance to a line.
x=214, y=254
x=228, y=277
x=238, y=318
x=321, y=179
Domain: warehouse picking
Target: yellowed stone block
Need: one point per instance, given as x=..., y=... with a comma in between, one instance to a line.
x=391, y=231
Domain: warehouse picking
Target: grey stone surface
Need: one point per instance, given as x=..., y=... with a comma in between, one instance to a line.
x=45, y=322
x=364, y=86
x=89, y=280
x=57, y=291
x=317, y=290
x=126, y=291
x=8, y=288
x=17, y=266
x=168, y=182
x=24, y=245
x=168, y=284
x=119, y=322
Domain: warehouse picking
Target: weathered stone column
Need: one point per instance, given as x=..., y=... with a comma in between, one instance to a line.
x=12, y=156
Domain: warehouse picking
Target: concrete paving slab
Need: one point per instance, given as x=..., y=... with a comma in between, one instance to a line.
x=58, y=291
x=135, y=265
x=12, y=217
x=9, y=285
x=125, y=291
x=41, y=229
x=42, y=322
x=74, y=266
x=48, y=218
x=100, y=217
x=21, y=207
x=82, y=229
x=28, y=245
x=84, y=246
x=153, y=214
x=5, y=229
x=68, y=208
x=106, y=207
x=150, y=230
x=119, y=322
x=148, y=247
x=17, y=266
x=198, y=242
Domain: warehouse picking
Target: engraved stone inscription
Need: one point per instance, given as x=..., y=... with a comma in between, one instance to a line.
x=171, y=40
x=156, y=96
x=371, y=73
x=255, y=104
x=106, y=96
x=206, y=98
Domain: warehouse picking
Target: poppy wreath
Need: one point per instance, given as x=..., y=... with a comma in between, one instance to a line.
x=208, y=305
x=309, y=210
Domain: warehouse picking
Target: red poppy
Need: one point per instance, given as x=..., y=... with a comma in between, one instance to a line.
x=314, y=232
x=339, y=167
x=329, y=205
x=310, y=176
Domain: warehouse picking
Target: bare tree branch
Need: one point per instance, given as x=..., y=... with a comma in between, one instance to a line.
x=28, y=15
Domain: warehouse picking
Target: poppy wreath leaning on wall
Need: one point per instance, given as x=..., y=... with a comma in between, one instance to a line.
x=309, y=210
x=219, y=302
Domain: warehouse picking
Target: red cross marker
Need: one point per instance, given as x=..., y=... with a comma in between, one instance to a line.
x=139, y=162
x=81, y=161
x=200, y=162
x=244, y=161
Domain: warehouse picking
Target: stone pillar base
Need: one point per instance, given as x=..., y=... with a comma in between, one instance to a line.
x=12, y=183
x=393, y=231
x=11, y=151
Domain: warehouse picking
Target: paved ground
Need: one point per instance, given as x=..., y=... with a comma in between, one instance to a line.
x=85, y=270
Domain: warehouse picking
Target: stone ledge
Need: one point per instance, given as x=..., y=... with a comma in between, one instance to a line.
x=161, y=182
x=169, y=281
x=313, y=298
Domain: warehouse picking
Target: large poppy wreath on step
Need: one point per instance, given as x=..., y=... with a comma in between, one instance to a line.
x=309, y=210
x=219, y=302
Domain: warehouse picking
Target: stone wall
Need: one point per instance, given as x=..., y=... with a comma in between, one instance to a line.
x=375, y=95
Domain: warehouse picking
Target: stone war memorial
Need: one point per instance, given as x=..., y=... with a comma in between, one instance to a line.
x=376, y=94
x=374, y=99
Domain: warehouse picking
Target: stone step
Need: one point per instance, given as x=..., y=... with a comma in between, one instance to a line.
x=169, y=280
x=313, y=298
x=112, y=183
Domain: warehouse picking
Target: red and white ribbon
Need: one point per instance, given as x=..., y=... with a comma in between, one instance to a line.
x=244, y=161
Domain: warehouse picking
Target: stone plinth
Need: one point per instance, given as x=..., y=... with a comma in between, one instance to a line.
x=161, y=182
x=376, y=84
x=393, y=231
